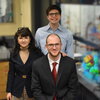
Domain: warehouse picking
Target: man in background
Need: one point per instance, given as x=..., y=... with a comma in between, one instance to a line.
x=54, y=15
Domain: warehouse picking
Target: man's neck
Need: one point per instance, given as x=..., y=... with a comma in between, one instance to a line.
x=54, y=58
x=54, y=26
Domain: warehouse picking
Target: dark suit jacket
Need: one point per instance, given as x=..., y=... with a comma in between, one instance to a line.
x=17, y=68
x=43, y=85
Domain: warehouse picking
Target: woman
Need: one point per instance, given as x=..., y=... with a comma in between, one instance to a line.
x=20, y=66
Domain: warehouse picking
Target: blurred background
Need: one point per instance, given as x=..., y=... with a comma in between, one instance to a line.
x=82, y=17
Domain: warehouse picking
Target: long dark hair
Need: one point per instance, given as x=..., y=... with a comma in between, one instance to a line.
x=23, y=32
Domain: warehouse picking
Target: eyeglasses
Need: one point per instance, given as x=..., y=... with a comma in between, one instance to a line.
x=52, y=14
x=52, y=45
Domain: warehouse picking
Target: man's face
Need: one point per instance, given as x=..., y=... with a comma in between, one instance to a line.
x=54, y=16
x=53, y=46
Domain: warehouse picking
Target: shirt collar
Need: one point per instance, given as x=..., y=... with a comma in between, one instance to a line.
x=48, y=27
x=51, y=61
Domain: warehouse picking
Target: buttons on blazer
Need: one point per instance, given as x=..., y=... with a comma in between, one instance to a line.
x=24, y=76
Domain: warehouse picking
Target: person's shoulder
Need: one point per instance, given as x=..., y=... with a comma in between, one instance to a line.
x=66, y=30
x=67, y=58
x=12, y=53
x=42, y=28
x=68, y=61
x=39, y=60
x=36, y=52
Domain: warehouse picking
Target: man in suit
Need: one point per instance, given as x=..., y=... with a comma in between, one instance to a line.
x=54, y=83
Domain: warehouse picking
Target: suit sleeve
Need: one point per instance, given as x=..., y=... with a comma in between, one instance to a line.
x=72, y=85
x=36, y=87
x=11, y=75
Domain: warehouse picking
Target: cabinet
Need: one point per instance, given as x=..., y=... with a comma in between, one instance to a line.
x=4, y=66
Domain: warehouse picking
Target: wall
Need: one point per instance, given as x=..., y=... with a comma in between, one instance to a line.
x=22, y=17
x=39, y=13
x=45, y=5
x=26, y=13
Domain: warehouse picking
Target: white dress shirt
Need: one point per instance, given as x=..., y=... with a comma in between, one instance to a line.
x=51, y=61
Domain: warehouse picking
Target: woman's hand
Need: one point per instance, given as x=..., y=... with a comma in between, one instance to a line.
x=9, y=96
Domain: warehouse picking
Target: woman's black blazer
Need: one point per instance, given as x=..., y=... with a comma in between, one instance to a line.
x=19, y=75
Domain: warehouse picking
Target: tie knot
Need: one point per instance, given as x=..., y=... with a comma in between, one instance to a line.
x=54, y=64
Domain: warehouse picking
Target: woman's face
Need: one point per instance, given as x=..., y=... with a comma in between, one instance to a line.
x=24, y=41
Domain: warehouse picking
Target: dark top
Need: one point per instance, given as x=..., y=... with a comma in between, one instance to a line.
x=43, y=85
x=17, y=69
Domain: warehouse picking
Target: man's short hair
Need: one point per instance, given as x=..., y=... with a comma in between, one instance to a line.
x=53, y=7
x=52, y=34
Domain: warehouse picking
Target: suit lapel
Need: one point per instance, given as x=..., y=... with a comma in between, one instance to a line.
x=60, y=69
x=47, y=70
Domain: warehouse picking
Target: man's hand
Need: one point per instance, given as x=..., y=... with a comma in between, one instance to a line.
x=64, y=54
